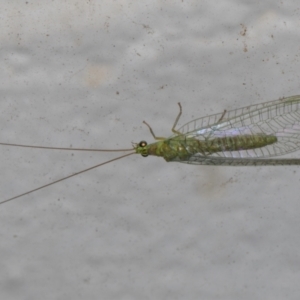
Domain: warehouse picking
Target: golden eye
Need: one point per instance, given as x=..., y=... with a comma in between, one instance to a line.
x=143, y=144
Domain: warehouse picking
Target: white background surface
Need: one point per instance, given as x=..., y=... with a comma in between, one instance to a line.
x=86, y=74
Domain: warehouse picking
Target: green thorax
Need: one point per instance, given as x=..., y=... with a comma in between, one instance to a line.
x=182, y=148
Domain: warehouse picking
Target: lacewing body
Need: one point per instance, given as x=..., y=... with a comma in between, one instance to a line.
x=253, y=135
x=250, y=136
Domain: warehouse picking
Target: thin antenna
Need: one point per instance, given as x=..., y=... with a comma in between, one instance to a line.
x=58, y=148
x=64, y=178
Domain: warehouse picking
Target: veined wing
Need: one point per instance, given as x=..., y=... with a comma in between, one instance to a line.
x=226, y=161
x=280, y=118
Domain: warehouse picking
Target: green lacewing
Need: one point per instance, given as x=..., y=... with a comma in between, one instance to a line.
x=255, y=135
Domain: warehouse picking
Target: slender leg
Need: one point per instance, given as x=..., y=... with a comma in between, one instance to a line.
x=173, y=128
x=221, y=118
x=155, y=137
x=223, y=114
x=177, y=119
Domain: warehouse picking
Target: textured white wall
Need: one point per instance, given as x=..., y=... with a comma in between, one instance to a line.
x=87, y=74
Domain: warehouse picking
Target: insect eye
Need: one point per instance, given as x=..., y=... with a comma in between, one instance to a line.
x=143, y=144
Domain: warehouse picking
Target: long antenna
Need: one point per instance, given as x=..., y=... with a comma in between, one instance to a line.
x=58, y=148
x=64, y=178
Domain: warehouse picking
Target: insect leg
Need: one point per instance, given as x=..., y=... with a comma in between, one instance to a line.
x=173, y=128
x=214, y=127
x=176, y=121
x=223, y=114
x=155, y=137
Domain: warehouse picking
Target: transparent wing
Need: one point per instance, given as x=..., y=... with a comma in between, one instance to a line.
x=223, y=161
x=280, y=118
